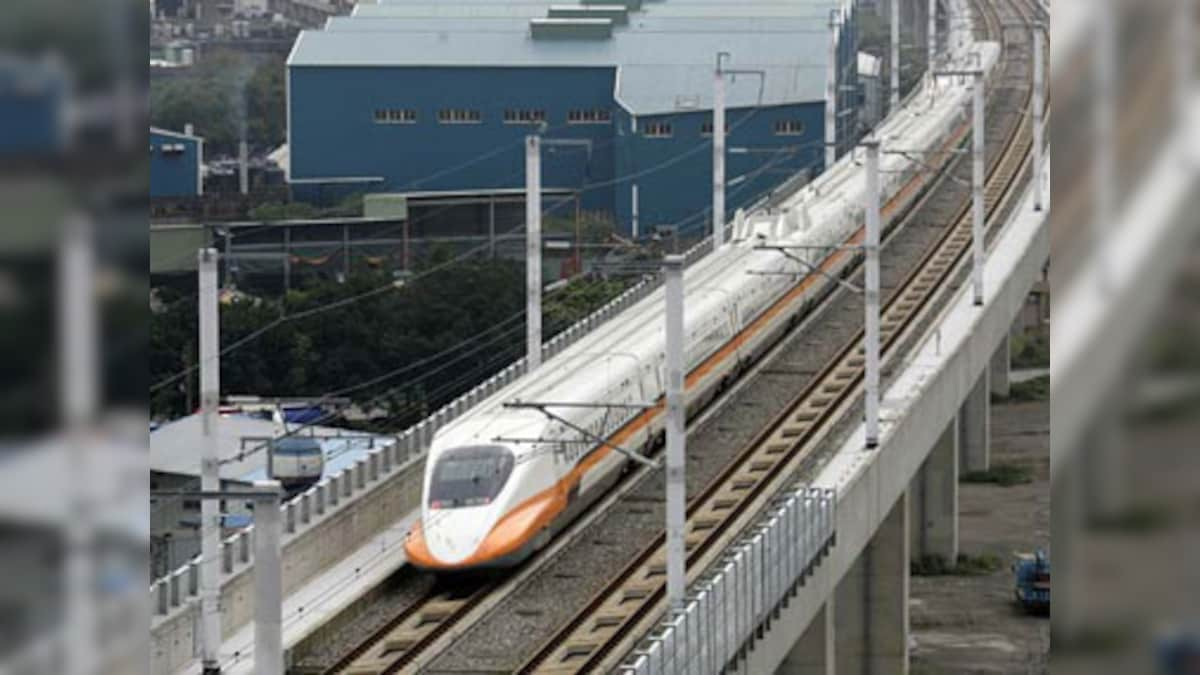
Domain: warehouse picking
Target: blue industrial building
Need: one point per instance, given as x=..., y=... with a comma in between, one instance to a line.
x=176, y=161
x=407, y=95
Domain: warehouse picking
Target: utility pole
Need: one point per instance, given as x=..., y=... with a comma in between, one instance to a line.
x=1104, y=84
x=533, y=252
x=634, y=197
x=533, y=241
x=1039, y=113
x=210, y=517
x=268, y=568
x=578, y=232
x=871, y=322
x=268, y=581
x=831, y=87
x=676, y=434
x=978, y=244
x=718, y=196
x=931, y=39
x=895, y=85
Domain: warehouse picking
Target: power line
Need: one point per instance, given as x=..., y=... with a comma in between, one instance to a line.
x=320, y=309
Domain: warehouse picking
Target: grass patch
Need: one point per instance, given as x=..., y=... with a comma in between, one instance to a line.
x=964, y=566
x=1037, y=389
x=1030, y=351
x=1004, y=475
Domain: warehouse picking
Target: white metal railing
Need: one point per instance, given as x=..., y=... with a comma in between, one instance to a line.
x=737, y=595
x=173, y=592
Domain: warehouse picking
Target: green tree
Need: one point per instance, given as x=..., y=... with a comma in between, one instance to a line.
x=175, y=103
x=225, y=91
x=266, y=104
x=439, y=336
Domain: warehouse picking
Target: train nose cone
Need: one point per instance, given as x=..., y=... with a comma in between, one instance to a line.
x=453, y=535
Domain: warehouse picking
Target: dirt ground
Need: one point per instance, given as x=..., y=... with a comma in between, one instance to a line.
x=971, y=624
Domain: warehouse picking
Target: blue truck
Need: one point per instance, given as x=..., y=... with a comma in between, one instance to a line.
x=1032, y=574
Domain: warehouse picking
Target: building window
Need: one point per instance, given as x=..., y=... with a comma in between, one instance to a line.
x=172, y=148
x=706, y=128
x=594, y=116
x=395, y=116
x=459, y=116
x=524, y=116
x=657, y=130
x=789, y=128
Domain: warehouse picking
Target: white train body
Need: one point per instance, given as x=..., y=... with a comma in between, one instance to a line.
x=500, y=480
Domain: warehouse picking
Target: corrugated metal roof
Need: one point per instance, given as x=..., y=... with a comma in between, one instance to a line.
x=175, y=447
x=664, y=56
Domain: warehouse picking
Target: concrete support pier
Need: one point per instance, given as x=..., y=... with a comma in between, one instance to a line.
x=1001, y=369
x=974, y=425
x=815, y=653
x=933, y=501
x=871, y=602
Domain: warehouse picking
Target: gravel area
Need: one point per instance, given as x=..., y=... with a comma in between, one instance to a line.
x=401, y=591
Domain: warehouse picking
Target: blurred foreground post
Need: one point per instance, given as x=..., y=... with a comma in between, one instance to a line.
x=210, y=516
x=1185, y=64
x=268, y=581
x=676, y=434
x=78, y=394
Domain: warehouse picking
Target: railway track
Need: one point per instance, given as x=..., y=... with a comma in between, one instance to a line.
x=605, y=630
x=415, y=632
x=392, y=647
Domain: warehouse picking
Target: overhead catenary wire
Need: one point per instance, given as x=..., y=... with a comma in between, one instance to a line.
x=320, y=309
x=396, y=285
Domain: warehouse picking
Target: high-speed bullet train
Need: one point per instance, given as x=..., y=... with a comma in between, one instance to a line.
x=501, y=480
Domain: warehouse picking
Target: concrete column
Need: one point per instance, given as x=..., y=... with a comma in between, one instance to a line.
x=1001, y=368
x=974, y=425
x=871, y=606
x=815, y=653
x=933, y=501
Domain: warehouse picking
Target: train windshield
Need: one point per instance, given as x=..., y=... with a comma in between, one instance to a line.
x=470, y=476
x=297, y=446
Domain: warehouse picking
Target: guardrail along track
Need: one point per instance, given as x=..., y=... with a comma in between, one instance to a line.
x=780, y=449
